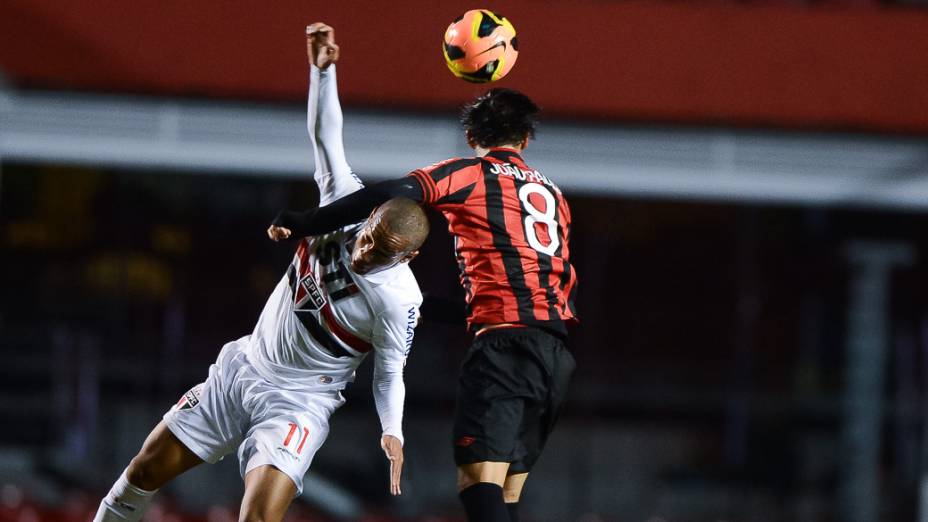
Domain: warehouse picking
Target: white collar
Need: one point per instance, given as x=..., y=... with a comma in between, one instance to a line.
x=384, y=276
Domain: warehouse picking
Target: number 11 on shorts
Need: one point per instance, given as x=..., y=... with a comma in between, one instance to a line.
x=289, y=437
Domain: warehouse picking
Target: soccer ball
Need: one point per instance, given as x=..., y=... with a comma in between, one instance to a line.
x=480, y=46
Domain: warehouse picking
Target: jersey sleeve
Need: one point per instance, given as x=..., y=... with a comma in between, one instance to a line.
x=324, y=122
x=441, y=181
x=392, y=340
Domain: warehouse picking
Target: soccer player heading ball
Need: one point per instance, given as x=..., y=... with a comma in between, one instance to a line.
x=270, y=394
x=511, y=225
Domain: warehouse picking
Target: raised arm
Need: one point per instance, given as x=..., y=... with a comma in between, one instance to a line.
x=430, y=185
x=346, y=211
x=324, y=119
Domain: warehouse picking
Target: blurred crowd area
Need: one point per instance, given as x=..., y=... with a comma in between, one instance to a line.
x=712, y=351
x=80, y=505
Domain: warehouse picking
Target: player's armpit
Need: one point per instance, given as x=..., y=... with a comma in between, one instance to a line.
x=348, y=210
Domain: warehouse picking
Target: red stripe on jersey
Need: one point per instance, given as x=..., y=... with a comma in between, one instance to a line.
x=505, y=277
x=341, y=333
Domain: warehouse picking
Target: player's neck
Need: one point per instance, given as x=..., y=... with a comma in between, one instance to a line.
x=481, y=151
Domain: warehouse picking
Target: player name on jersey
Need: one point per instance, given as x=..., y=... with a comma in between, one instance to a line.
x=508, y=169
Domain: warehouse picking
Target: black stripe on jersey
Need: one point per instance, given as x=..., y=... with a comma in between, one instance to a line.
x=348, y=291
x=426, y=183
x=451, y=167
x=321, y=335
x=503, y=244
x=571, y=305
x=544, y=267
x=465, y=280
x=565, y=279
x=291, y=279
x=312, y=325
x=458, y=197
x=504, y=155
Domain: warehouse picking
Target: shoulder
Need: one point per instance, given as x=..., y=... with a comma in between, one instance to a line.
x=445, y=168
x=403, y=288
x=400, y=290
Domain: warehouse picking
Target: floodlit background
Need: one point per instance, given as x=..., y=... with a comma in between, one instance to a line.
x=749, y=184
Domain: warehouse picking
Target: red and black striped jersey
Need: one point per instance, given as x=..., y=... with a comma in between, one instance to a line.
x=511, y=227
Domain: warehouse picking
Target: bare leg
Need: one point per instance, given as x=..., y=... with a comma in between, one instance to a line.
x=480, y=487
x=161, y=458
x=268, y=493
x=512, y=491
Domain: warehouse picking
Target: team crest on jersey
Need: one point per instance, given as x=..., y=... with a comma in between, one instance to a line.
x=309, y=295
x=191, y=398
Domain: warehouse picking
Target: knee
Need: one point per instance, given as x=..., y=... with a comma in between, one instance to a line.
x=142, y=474
x=511, y=495
x=512, y=489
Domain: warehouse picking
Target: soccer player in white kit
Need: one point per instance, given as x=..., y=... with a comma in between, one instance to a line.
x=270, y=395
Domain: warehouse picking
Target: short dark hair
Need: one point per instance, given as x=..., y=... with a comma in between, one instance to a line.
x=499, y=117
x=407, y=220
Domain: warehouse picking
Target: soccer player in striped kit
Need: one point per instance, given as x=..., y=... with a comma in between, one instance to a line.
x=511, y=226
x=270, y=394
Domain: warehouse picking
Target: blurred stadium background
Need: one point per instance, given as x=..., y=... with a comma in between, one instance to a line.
x=749, y=182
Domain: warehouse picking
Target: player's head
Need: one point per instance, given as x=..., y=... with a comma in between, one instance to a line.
x=501, y=117
x=391, y=235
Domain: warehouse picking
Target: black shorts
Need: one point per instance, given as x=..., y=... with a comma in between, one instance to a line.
x=512, y=385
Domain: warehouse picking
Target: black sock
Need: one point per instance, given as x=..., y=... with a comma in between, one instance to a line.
x=513, y=508
x=483, y=502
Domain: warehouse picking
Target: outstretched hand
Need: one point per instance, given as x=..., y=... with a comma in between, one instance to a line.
x=393, y=449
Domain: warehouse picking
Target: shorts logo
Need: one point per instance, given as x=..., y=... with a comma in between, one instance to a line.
x=325, y=379
x=191, y=398
x=465, y=441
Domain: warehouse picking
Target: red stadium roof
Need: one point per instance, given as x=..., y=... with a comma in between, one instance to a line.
x=687, y=62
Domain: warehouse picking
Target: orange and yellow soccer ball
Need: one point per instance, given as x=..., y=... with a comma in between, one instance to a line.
x=480, y=46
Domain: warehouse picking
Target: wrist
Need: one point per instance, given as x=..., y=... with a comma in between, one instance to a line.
x=398, y=435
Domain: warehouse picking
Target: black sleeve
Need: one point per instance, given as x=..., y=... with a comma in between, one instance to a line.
x=348, y=210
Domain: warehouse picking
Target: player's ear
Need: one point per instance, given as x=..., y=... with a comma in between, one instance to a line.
x=409, y=256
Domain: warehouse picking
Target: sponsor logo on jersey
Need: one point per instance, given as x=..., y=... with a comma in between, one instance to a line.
x=411, y=323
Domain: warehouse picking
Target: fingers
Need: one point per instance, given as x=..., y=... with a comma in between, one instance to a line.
x=320, y=29
x=277, y=233
x=393, y=449
x=396, y=474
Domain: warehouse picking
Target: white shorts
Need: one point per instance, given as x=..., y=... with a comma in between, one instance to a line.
x=236, y=407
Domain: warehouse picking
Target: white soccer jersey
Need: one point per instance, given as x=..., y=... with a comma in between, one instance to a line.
x=322, y=319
